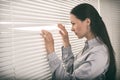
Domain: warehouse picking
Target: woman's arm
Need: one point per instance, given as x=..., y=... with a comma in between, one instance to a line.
x=59, y=72
x=88, y=69
x=67, y=55
x=68, y=59
x=91, y=68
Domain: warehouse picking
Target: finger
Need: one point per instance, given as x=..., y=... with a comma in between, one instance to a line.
x=41, y=33
x=44, y=31
x=61, y=32
x=61, y=27
x=44, y=34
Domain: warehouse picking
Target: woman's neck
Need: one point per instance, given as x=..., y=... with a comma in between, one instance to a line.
x=90, y=36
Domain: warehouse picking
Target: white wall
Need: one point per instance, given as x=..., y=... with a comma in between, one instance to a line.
x=110, y=12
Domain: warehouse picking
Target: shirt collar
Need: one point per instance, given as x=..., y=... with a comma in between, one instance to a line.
x=93, y=42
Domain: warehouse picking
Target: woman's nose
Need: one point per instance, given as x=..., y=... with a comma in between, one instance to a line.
x=72, y=29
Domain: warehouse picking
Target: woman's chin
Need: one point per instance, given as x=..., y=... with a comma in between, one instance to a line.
x=79, y=37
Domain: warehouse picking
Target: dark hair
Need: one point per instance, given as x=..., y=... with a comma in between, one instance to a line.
x=98, y=28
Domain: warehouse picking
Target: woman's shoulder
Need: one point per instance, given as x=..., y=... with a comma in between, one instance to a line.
x=100, y=49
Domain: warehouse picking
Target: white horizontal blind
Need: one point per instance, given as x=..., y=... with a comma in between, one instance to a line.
x=22, y=50
x=6, y=50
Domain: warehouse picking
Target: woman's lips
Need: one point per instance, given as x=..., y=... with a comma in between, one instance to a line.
x=75, y=33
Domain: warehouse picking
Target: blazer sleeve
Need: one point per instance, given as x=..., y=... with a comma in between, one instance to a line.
x=58, y=71
x=68, y=59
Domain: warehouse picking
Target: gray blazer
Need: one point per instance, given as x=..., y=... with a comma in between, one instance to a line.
x=91, y=64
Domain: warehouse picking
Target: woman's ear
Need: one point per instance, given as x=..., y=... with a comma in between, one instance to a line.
x=88, y=21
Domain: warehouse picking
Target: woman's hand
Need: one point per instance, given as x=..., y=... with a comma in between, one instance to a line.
x=49, y=42
x=64, y=35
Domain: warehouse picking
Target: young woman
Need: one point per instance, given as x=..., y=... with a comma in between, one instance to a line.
x=97, y=61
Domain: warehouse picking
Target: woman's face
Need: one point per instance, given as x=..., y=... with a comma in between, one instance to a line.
x=80, y=28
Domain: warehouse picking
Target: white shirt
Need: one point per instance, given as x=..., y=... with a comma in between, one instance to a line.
x=89, y=65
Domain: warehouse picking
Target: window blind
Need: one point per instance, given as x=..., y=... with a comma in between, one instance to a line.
x=22, y=51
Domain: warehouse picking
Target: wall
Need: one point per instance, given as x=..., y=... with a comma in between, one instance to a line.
x=110, y=12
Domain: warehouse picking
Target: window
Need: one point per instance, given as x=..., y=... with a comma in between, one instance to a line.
x=22, y=50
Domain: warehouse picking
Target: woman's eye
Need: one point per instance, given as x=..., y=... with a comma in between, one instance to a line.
x=73, y=23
